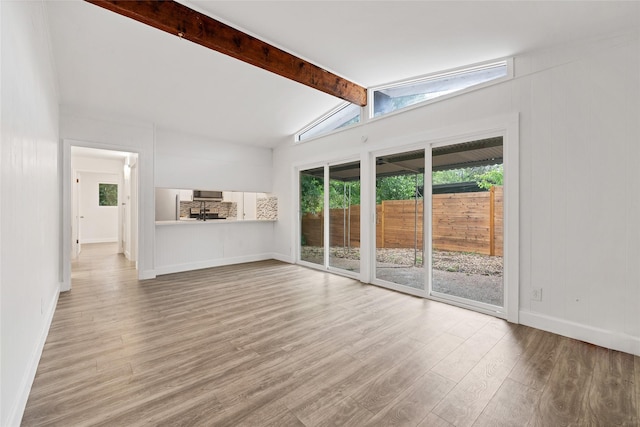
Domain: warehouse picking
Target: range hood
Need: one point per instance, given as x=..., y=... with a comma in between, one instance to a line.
x=207, y=196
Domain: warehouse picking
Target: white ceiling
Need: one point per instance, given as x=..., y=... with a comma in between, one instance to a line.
x=112, y=64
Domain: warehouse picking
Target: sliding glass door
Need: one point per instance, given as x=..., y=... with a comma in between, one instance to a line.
x=330, y=217
x=467, y=223
x=399, y=219
x=312, y=216
x=344, y=216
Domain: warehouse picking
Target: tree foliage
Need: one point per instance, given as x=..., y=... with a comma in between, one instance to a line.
x=343, y=194
x=484, y=176
x=311, y=194
x=399, y=187
x=490, y=178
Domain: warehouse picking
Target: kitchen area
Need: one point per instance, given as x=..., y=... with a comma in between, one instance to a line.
x=207, y=228
x=207, y=205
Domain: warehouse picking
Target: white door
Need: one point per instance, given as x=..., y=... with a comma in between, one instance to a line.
x=75, y=226
x=98, y=221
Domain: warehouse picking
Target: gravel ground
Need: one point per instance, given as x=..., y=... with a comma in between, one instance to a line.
x=469, y=263
x=453, y=262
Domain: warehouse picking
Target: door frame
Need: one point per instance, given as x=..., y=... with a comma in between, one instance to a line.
x=452, y=299
x=506, y=126
x=326, y=236
x=372, y=196
x=66, y=224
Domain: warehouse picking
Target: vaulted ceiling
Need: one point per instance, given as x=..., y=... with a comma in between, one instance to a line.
x=110, y=64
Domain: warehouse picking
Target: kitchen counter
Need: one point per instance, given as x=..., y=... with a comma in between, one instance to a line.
x=212, y=221
x=190, y=244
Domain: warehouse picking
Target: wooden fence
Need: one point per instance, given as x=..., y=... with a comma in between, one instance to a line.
x=462, y=222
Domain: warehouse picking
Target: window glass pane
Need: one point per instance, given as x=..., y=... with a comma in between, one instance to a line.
x=345, y=116
x=311, y=215
x=107, y=194
x=404, y=95
x=344, y=216
x=467, y=221
x=399, y=220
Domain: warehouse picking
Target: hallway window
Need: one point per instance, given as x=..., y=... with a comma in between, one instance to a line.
x=107, y=194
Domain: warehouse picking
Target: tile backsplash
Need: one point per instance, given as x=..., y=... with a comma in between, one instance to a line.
x=223, y=209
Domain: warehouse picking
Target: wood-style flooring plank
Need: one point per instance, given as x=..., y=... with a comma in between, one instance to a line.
x=565, y=397
x=539, y=358
x=415, y=403
x=510, y=406
x=467, y=400
x=610, y=396
x=432, y=420
x=460, y=361
x=383, y=389
x=636, y=382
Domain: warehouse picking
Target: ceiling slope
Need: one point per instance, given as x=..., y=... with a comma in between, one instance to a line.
x=112, y=64
x=177, y=19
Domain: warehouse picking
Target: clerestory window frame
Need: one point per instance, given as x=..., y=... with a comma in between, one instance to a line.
x=505, y=62
x=367, y=113
x=300, y=135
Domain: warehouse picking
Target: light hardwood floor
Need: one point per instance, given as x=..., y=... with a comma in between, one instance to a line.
x=272, y=344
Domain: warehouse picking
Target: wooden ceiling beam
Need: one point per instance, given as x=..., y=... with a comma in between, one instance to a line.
x=186, y=23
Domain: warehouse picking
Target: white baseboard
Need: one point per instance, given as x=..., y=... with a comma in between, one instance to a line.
x=602, y=337
x=146, y=274
x=283, y=258
x=16, y=413
x=100, y=240
x=178, y=268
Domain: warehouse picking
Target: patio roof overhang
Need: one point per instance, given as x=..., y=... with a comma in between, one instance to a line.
x=482, y=152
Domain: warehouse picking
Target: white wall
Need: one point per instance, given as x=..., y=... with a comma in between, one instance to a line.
x=189, y=161
x=195, y=162
x=30, y=206
x=167, y=159
x=579, y=111
x=109, y=132
x=193, y=245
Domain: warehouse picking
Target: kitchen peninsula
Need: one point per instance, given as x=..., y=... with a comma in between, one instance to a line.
x=238, y=228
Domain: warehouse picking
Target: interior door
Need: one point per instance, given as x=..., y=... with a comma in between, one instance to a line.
x=76, y=217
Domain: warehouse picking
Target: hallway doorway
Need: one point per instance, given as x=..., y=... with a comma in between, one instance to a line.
x=103, y=208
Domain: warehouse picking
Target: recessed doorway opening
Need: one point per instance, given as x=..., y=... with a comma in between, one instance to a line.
x=103, y=207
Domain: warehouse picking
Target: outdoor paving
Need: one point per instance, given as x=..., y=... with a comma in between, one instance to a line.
x=476, y=287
